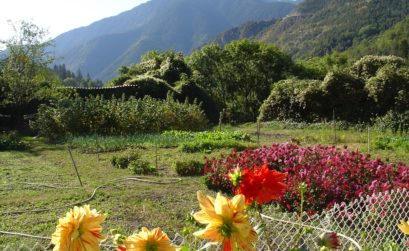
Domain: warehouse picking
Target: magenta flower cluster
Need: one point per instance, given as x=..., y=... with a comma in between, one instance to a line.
x=332, y=175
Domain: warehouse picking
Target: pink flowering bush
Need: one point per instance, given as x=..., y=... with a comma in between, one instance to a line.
x=332, y=175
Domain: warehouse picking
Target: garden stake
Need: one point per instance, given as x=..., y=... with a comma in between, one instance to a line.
x=258, y=132
x=96, y=140
x=156, y=154
x=75, y=166
x=333, y=125
x=369, y=141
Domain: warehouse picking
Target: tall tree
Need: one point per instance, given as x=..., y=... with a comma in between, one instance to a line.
x=24, y=69
x=240, y=75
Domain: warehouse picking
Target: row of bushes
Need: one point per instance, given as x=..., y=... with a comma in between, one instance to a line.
x=373, y=86
x=332, y=175
x=97, y=115
x=142, y=85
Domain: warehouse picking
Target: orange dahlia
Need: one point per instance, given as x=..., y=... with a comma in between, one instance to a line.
x=79, y=230
x=404, y=227
x=147, y=240
x=227, y=222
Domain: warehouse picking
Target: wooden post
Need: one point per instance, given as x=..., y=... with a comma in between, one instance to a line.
x=75, y=166
x=221, y=119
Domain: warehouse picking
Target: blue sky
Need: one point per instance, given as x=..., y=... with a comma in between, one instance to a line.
x=58, y=16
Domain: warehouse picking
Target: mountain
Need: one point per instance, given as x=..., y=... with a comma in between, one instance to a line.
x=318, y=27
x=394, y=41
x=183, y=25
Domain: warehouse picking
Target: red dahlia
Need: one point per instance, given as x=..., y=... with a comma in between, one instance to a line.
x=261, y=184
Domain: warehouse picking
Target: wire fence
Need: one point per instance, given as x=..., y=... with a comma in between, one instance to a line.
x=367, y=222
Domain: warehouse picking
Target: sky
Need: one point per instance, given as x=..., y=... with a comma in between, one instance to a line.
x=59, y=16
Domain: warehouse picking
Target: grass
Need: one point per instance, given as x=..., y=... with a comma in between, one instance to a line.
x=130, y=205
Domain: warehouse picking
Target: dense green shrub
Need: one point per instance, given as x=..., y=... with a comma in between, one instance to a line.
x=11, y=141
x=139, y=167
x=374, y=86
x=368, y=66
x=389, y=89
x=92, y=115
x=293, y=99
x=122, y=162
x=189, y=168
x=344, y=96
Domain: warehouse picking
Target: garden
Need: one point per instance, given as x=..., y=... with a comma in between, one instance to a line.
x=303, y=186
x=230, y=148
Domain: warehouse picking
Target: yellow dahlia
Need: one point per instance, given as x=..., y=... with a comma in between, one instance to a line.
x=146, y=240
x=404, y=227
x=227, y=222
x=79, y=230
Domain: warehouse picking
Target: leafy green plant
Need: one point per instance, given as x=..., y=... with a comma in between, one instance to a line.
x=392, y=143
x=139, y=167
x=210, y=145
x=210, y=135
x=122, y=162
x=11, y=141
x=189, y=168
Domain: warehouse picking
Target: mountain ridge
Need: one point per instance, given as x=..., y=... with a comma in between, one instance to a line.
x=183, y=25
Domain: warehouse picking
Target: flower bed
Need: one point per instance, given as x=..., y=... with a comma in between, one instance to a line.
x=332, y=175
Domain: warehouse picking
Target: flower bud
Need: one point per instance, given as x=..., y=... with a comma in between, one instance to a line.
x=235, y=177
x=328, y=240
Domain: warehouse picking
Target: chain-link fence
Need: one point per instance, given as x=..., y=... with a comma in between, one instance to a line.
x=368, y=221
